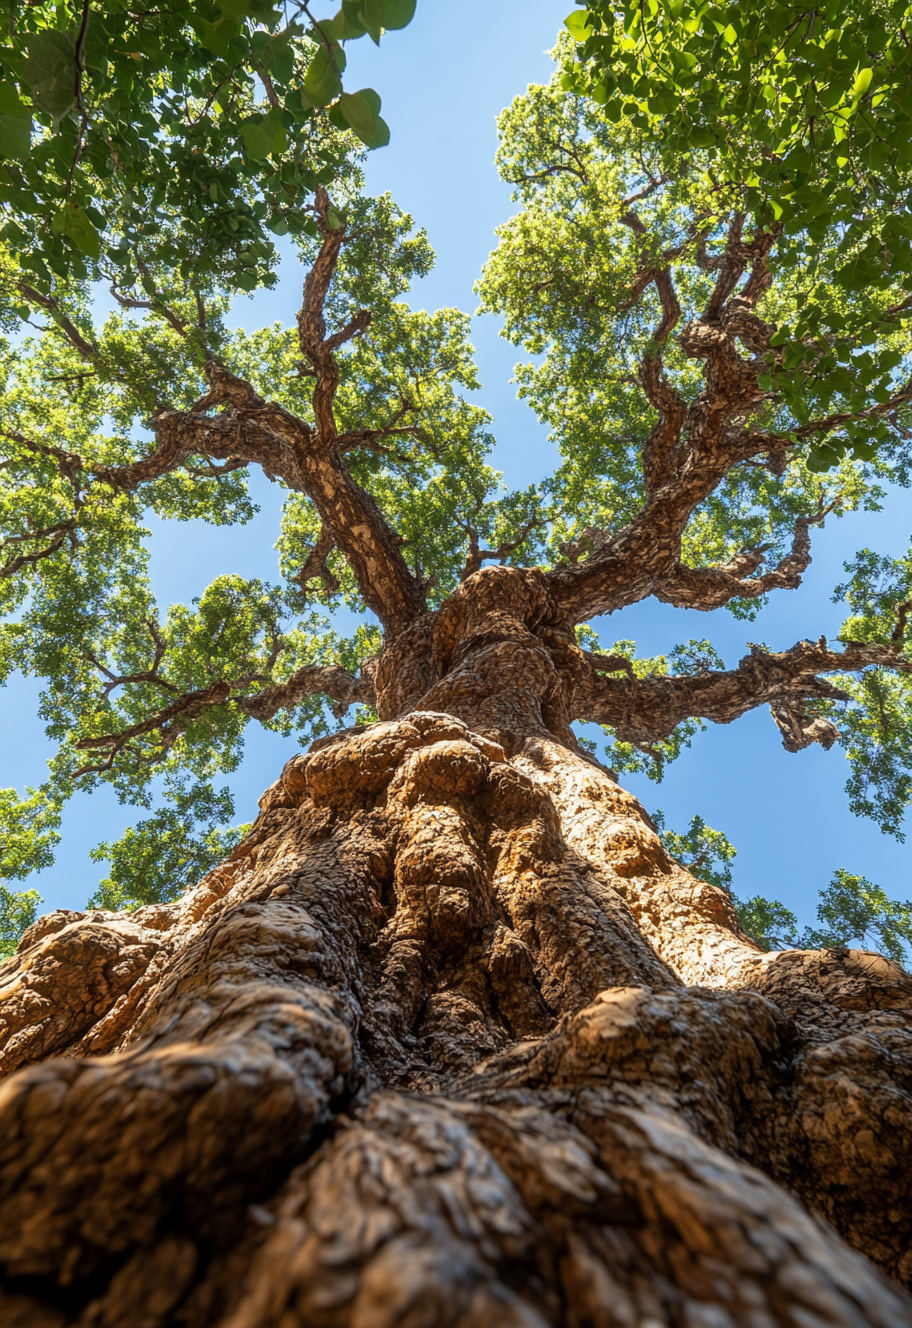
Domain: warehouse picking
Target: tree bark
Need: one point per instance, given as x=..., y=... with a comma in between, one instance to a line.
x=450, y=1040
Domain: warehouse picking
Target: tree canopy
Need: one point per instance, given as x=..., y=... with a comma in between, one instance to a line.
x=138, y=141
x=802, y=112
x=689, y=471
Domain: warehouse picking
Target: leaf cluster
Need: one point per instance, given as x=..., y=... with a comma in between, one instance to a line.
x=802, y=112
x=851, y=908
x=184, y=136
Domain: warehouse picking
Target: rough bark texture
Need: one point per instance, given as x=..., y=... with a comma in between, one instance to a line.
x=451, y=1040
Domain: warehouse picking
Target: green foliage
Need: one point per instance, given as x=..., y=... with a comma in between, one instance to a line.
x=18, y=910
x=29, y=832
x=562, y=275
x=852, y=909
x=876, y=732
x=170, y=851
x=802, y=113
x=769, y=923
x=875, y=723
x=132, y=138
x=706, y=853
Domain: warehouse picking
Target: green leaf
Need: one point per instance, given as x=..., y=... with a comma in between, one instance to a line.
x=278, y=57
x=50, y=71
x=577, y=24
x=261, y=10
x=336, y=117
x=15, y=124
x=388, y=13
x=350, y=21
x=323, y=82
x=821, y=458
x=219, y=35
x=298, y=104
x=72, y=222
x=361, y=111
x=264, y=134
x=862, y=83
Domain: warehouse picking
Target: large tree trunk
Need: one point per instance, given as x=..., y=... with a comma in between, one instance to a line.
x=450, y=1040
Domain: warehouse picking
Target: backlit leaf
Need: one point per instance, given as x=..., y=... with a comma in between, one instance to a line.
x=72, y=222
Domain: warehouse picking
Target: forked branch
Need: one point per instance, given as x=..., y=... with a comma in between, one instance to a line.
x=150, y=675
x=341, y=687
x=477, y=555
x=709, y=588
x=690, y=449
x=644, y=711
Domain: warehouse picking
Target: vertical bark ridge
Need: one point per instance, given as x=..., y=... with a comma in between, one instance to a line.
x=450, y=1040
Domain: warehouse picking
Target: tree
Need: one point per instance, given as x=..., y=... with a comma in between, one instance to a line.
x=852, y=907
x=802, y=110
x=448, y=1037
x=18, y=910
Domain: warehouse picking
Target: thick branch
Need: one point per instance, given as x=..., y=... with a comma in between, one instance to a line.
x=477, y=555
x=248, y=430
x=87, y=349
x=708, y=588
x=691, y=448
x=169, y=723
x=644, y=711
x=763, y=442
x=330, y=680
x=28, y=559
x=315, y=345
x=317, y=565
x=340, y=686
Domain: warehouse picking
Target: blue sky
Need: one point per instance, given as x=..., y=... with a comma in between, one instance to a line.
x=442, y=81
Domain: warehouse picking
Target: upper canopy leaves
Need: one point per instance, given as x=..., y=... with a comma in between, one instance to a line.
x=691, y=434
x=571, y=275
x=806, y=110
x=123, y=127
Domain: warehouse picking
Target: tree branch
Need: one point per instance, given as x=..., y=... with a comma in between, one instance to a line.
x=332, y=681
x=644, y=711
x=150, y=674
x=477, y=555
x=763, y=442
x=246, y=429
x=317, y=565
x=707, y=588
x=691, y=447
x=68, y=463
x=87, y=349
x=169, y=723
x=28, y=559
x=155, y=306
